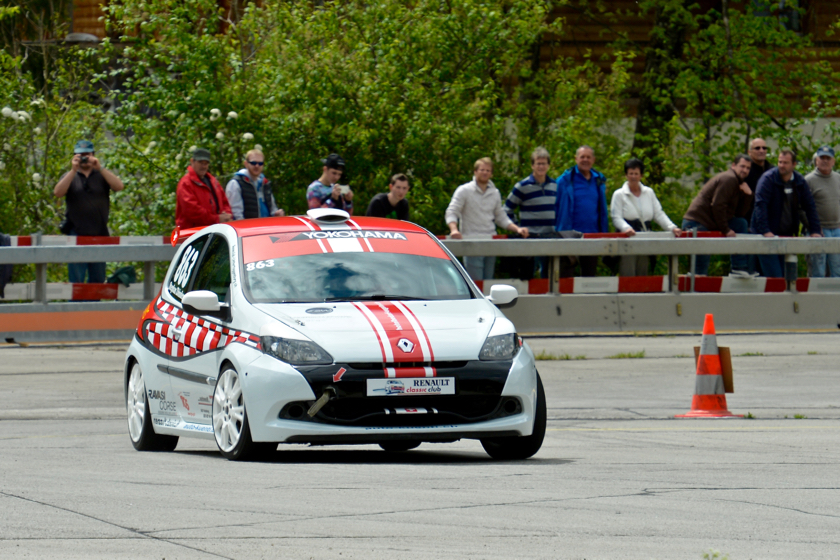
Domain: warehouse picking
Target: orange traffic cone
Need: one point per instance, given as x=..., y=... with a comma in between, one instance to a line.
x=709, y=400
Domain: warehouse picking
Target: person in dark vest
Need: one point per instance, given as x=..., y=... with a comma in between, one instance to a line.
x=249, y=192
x=87, y=187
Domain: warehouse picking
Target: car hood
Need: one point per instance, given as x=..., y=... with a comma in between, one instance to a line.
x=391, y=331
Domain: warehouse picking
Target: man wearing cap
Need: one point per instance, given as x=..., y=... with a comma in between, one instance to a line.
x=200, y=198
x=824, y=183
x=325, y=192
x=249, y=192
x=87, y=187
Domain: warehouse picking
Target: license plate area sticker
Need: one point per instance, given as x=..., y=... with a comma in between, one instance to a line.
x=411, y=386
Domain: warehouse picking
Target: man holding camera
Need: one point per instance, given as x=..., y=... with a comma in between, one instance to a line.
x=325, y=192
x=87, y=187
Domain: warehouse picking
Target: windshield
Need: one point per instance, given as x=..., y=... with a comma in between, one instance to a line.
x=389, y=272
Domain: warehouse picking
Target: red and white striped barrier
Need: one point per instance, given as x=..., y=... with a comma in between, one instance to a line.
x=75, y=292
x=659, y=284
x=69, y=240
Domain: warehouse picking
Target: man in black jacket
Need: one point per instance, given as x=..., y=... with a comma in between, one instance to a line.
x=249, y=192
x=779, y=196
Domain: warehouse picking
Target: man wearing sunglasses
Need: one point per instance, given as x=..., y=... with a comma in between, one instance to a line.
x=87, y=187
x=249, y=192
x=758, y=166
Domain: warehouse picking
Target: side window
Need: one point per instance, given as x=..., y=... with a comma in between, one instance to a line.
x=180, y=280
x=214, y=270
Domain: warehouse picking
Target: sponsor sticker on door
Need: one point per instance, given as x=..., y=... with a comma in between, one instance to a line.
x=411, y=386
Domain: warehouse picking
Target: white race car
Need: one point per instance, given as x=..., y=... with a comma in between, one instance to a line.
x=327, y=329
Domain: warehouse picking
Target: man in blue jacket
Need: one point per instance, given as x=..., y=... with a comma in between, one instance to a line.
x=779, y=196
x=581, y=206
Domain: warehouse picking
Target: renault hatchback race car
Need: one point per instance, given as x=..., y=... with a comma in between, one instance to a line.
x=328, y=330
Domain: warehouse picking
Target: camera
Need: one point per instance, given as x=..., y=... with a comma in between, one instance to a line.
x=84, y=159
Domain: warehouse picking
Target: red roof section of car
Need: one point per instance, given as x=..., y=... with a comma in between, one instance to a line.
x=262, y=226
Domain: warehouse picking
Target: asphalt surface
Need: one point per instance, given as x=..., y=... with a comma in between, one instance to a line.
x=617, y=477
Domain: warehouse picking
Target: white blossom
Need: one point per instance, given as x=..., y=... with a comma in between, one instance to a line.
x=7, y=112
x=37, y=103
x=7, y=146
x=24, y=116
x=178, y=157
x=2, y=165
x=143, y=181
x=232, y=115
x=220, y=136
x=258, y=147
x=15, y=116
x=215, y=114
x=36, y=177
x=193, y=148
x=152, y=144
x=247, y=136
x=37, y=130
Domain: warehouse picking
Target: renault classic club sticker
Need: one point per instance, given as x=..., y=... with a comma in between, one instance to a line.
x=411, y=386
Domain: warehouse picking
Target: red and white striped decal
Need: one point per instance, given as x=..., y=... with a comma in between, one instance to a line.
x=401, y=337
x=70, y=240
x=196, y=334
x=355, y=225
x=313, y=227
x=76, y=292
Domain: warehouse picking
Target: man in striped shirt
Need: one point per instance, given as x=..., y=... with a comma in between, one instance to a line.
x=535, y=197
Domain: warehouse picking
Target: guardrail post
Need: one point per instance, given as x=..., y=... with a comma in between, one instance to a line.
x=554, y=275
x=40, y=275
x=791, y=272
x=674, y=273
x=149, y=280
x=693, y=267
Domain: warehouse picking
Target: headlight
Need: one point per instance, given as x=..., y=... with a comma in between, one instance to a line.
x=501, y=347
x=295, y=352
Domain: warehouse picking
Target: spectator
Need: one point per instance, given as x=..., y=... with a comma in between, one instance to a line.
x=200, y=199
x=758, y=166
x=824, y=183
x=325, y=192
x=393, y=203
x=476, y=206
x=249, y=192
x=780, y=195
x=87, y=187
x=714, y=209
x=581, y=206
x=535, y=197
x=632, y=208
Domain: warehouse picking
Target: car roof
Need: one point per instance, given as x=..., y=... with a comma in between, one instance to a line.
x=263, y=226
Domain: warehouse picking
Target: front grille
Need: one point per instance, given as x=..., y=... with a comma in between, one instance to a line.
x=388, y=411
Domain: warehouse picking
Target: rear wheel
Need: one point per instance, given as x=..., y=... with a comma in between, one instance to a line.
x=395, y=446
x=516, y=448
x=230, y=420
x=143, y=436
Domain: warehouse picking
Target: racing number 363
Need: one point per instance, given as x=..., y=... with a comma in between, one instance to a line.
x=258, y=265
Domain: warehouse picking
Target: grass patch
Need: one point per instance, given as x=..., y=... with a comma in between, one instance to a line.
x=682, y=356
x=749, y=416
x=812, y=352
x=752, y=354
x=626, y=355
x=715, y=555
x=543, y=355
x=800, y=416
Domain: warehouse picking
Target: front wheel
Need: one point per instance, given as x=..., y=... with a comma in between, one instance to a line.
x=230, y=420
x=143, y=436
x=516, y=448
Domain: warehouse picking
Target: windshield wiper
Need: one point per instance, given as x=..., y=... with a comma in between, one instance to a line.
x=376, y=297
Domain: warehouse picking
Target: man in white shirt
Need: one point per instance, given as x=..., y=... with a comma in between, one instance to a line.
x=477, y=207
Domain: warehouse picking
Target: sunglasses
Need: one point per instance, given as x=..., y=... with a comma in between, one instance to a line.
x=257, y=163
x=760, y=148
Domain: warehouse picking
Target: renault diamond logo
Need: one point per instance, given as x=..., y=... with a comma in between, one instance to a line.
x=405, y=345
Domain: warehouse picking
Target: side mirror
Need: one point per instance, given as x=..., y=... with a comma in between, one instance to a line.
x=205, y=302
x=502, y=294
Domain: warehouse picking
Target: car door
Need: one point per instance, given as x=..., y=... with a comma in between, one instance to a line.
x=193, y=376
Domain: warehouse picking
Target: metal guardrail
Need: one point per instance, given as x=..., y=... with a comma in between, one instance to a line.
x=640, y=244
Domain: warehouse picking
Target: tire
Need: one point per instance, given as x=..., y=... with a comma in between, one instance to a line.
x=398, y=445
x=230, y=421
x=518, y=448
x=140, y=429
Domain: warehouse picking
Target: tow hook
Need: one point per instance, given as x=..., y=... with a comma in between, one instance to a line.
x=326, y=396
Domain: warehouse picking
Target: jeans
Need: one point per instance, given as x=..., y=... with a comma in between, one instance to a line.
x=480, y=268
x=736, y=262
x=95, y=272
x=818, y=261
x=772, y=266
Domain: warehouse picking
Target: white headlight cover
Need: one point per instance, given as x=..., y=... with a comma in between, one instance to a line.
x=295, y=352
x=501, y=347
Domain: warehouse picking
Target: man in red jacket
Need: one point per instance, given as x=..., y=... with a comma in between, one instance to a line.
x=201, y=199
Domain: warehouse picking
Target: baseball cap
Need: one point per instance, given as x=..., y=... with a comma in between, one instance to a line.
x=333, y=161
x=83, y=147
x=200, y=154
x=825, y=151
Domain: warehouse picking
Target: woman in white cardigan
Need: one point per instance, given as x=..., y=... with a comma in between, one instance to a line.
x=633, y=208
